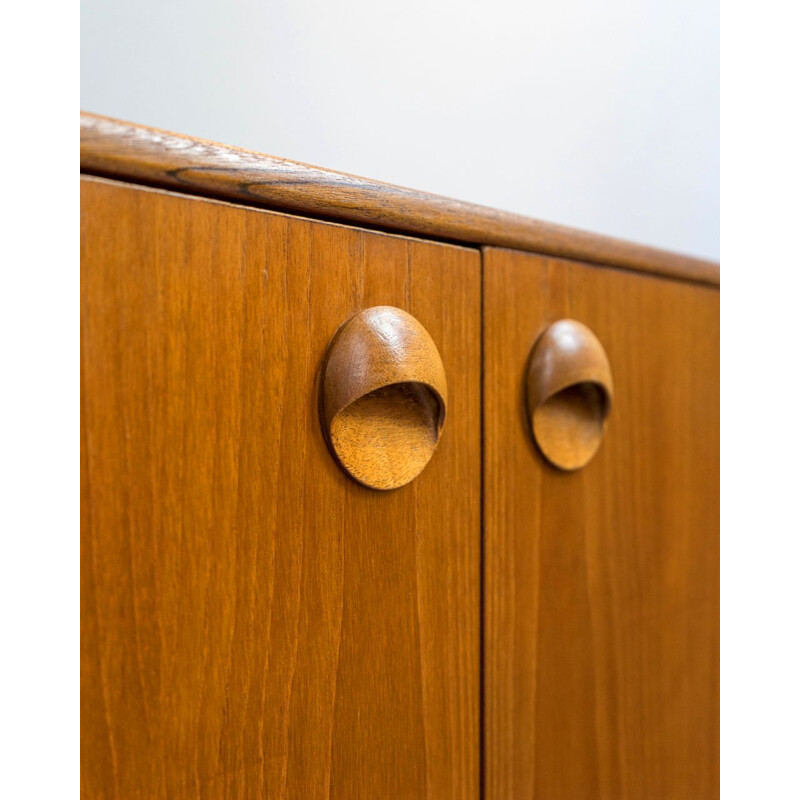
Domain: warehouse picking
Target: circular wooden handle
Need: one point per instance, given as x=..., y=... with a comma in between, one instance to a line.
x=383, y=397
x=569, y=394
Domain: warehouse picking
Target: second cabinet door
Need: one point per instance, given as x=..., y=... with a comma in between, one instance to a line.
x=602, y=585
x=255, y=623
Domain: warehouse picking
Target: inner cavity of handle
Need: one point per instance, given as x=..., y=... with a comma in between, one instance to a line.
x=385, y=438
x=568, y=426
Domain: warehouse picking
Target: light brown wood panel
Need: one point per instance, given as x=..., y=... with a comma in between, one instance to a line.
x=254, y=623
x=602, y=585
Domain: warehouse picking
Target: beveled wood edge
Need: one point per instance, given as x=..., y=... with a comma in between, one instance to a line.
x=137, y=153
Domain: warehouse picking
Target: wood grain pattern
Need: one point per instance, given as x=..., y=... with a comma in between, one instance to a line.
x=384, y=397
x=602, y=586
x=138, y=153
x=254, y=623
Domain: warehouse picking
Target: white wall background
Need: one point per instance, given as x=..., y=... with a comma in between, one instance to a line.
x=600, y=115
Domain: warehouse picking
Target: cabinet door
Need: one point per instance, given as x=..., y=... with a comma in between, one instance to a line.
x=602, y=585
x=255, y=623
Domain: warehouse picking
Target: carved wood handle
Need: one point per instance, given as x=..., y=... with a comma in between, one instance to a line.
x=569, y=394
x=383, y=395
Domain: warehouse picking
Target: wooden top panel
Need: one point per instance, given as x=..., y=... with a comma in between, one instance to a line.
x=137, y=153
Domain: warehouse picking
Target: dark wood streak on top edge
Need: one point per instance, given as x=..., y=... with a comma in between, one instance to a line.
x=137, y=153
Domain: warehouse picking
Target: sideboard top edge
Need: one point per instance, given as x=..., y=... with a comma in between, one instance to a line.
x=133, y=152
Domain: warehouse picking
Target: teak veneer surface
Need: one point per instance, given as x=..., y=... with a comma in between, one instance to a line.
x=137, y=153
x=254, y=623
x=601, y=586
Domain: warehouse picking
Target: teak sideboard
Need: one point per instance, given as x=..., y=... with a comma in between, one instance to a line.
x=386, y=495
